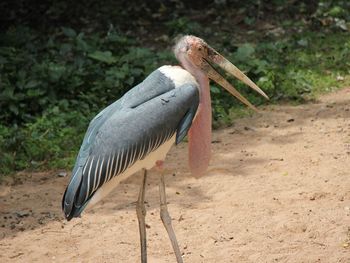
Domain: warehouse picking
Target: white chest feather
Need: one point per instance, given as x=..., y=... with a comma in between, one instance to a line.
x=147, y=163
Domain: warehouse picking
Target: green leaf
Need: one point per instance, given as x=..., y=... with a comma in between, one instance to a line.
x=13, y=108
x=130, y=81
x=65, y=48
x=103, y=56
x=303, y=42
x=32, y=93
x=245, y=52
x=32, y=84
x=215, y=90
x=56, y=71
x=336, y=11
x=69, y=32
x=81, y=43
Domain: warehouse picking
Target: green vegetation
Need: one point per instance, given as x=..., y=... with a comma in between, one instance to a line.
x=52, y=87
x=54, y=80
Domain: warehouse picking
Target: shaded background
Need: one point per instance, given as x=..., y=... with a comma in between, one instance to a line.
x=61, y=62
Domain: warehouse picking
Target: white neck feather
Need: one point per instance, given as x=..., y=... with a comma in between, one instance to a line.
x=178, y=75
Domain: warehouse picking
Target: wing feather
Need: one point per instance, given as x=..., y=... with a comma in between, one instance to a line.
x=97, y=166
x=111, y=168
x=102, y=173
x=121, y=157
x=143, y=150
x=126, y=132
x=89, y=179
x=107, y=169
x=134, y=155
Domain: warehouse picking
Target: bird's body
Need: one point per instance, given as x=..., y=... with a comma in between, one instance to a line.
x=132, y=134
x=137, y=131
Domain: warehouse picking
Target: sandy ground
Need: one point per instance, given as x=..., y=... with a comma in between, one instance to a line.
x=277, y=190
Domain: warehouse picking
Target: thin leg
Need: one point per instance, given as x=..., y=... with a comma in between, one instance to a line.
x=141, y=214
x=164, y=215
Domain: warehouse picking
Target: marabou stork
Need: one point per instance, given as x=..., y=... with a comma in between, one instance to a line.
x=137, y=131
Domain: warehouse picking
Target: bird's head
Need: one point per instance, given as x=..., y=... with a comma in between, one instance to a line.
x=196, y=56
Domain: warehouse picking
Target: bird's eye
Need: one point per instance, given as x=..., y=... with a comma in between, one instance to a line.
x=200, y=49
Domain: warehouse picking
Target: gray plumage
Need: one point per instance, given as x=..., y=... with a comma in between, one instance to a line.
x=128, y=130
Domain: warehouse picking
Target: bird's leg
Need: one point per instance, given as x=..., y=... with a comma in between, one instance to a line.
x=141, y=214
x=166, y=219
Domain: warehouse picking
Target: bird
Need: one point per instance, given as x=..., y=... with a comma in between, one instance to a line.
x=136, y=132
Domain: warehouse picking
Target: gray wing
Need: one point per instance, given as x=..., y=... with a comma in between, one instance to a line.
x=127, y=131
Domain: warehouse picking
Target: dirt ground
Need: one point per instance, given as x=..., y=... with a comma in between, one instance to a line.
x=277, y=190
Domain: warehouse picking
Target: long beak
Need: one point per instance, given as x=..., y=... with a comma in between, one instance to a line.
x=215, y=57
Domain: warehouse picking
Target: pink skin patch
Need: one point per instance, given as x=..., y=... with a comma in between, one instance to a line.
x=199, y=135
x=159, y=165
x=190, y=53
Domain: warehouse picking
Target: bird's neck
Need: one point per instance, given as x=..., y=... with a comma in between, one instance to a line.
x=200, y=131
x=199, y=135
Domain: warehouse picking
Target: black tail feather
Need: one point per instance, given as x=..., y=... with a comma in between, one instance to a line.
x=69, y=206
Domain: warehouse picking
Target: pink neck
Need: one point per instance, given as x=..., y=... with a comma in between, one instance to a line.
x=200, y=132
